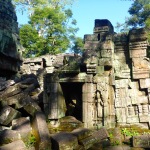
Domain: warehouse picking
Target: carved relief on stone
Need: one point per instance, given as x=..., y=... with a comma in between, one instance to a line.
x=138, y=45
x=99, y=104
x=102, y=94
x=91, y=37
x=144, y=83
x=121, y=115
x=121, y=69
x=140, y=64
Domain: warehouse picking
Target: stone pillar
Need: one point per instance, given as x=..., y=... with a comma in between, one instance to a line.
x=88, y=95
x=54, y=101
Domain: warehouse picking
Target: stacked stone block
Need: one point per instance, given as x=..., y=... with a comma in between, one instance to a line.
x=10, y=47
x=113, y=73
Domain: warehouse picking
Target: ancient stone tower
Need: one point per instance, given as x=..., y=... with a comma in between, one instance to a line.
x=10, y=48
x=108, y=85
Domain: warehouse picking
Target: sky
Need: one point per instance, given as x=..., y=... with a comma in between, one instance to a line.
x=86, y=11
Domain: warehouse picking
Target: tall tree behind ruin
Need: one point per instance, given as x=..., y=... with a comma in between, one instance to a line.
x=140, y=17
x=50, y=29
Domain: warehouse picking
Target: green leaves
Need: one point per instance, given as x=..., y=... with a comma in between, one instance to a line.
x=140, y=12
x=77, y=47
x=49, y=31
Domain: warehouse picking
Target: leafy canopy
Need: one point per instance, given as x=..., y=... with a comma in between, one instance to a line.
x=140, y=12
x=50, y=29
x=77, y=47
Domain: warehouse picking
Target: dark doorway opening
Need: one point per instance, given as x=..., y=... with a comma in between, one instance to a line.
x=73, y=97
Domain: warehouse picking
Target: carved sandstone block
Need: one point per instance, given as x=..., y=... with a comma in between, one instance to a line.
x=64, y=141
x=138, y=53
x=40, y=128
x=144, y=83
x=17, y=145
x=94, y=45
x=22, y=125
x=82, y=133
x=91, y=37
x=8, y=136
x=101, y=134
x=121, y=114
x=122, y=83
x=7, y=114
x=141, y=141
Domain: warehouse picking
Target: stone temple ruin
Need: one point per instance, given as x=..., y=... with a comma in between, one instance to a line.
x=10, y=47
x=108, y=85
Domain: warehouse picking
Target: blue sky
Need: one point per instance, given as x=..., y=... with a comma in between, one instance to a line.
x=86, y=11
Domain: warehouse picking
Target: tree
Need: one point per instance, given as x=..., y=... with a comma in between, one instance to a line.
x=140, y=12
x=140, y=16
x=51, y=28
x=77, y=47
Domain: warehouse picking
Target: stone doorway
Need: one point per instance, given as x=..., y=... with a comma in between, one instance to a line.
x=72, y=92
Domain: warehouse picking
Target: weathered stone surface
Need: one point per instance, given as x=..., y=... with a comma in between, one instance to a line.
x=141, y=141
x=40, y=129
x=98, y=146
x=101, y=134
x=88, y=142
x=6, y=84
x=91, y=37
x=144, y=83
x=7, y=114
x=17, y=145
x=19, y=100
x=32, y=107
x=108, y=84
x=8, y=136
x=92, y=45
x=81, y=133
x=63, y=140
x=10, y=47
x=22, y=125
x=69, y=123
x=124, y=147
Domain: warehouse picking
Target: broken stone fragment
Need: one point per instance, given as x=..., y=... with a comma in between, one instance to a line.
x=22, y=125
x=141, y=141
x=120, y=147
x=6, y=84
x=10, y=91
x=64, y=141
x=41, y=131
x=8, y=136
x=19, y=100
x=31, y=108
x=81, y=133
x=69, y=123
x=88, y=142
x=16, y=145
x=7, y=114
x=101, y=134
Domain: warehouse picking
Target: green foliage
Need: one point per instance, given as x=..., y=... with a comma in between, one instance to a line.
x=77, y=47
x=113, y=141
x=50, y=30
x=140, y=12
x=129, y=132
x=30, y=141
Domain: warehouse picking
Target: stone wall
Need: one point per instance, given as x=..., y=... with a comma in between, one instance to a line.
x=106, y=86
x=10, y=48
